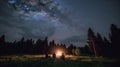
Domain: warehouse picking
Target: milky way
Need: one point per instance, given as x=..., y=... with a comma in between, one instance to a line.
x=65, y=21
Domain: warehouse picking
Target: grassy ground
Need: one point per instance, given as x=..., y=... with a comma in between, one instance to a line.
x=37, y=61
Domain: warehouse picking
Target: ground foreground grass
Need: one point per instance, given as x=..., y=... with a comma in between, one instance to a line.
x=42, y=62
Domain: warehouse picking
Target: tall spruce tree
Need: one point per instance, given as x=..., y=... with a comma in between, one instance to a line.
x=115, y=41
x=92, y=42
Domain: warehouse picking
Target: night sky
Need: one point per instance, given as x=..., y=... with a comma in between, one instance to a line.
x=65, y=21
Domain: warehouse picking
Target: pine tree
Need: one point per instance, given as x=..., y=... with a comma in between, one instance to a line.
x=115, y=41
x=100, y=44
x=92, y=42
x=70, y=49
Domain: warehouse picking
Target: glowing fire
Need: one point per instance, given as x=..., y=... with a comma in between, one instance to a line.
x=59, y=53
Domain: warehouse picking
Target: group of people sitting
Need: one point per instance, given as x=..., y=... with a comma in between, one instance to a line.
x=54, y=56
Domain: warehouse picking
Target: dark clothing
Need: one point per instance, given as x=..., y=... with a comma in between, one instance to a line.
x=54, y=56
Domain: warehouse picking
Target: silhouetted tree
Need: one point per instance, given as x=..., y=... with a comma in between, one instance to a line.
x=85, y=50
x=2, y=40
x=115, y=41
x=45, y=45
x=29, y=44
x=2, y=44
x=92, y=42
x=100, y=44
x=70, y=49
x=37, y=46
x=106, y=48
x=52, y=46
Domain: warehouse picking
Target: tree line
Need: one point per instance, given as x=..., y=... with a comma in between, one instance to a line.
x=30, y=46
x=101, y=46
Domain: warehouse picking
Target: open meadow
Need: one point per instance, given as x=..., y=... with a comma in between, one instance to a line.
x=70, y=61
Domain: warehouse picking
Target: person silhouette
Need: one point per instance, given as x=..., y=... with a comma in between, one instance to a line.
x=54, y=56
x=63, y=56
x=46, y=55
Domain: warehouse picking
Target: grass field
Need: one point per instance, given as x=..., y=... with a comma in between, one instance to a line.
x=70, y=61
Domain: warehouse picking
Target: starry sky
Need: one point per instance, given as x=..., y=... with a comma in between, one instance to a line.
x=65, y=21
